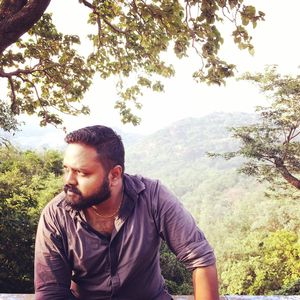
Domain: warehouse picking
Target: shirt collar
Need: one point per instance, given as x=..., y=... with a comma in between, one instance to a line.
x=133, y=186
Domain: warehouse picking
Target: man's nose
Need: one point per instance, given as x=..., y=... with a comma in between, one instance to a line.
x=70, y=178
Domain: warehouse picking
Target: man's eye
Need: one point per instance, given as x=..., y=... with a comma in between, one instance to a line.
x=81, y=173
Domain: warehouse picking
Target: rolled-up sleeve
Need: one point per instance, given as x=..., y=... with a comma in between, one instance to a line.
x=178, y=228
x=52, y=273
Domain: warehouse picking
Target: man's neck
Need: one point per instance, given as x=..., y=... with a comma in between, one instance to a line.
x=112, y=204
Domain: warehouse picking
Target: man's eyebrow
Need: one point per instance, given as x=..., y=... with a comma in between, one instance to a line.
x=81, y=169
x=85, y=170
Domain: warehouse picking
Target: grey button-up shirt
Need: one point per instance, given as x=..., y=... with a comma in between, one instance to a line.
x=126, y=265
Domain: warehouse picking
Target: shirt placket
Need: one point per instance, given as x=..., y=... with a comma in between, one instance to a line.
x=114, y=248
x=113, y=259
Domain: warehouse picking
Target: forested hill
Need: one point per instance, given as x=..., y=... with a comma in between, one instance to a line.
x=186, y=141
x=178, y=154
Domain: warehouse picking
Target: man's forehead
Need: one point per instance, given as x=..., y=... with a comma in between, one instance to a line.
x=80, y=152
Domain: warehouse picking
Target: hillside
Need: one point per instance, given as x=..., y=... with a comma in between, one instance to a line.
x=186, y=142
x=178, y=154
x=211, y=189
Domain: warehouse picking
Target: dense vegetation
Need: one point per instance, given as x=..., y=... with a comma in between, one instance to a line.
x=255, y=236
x=27, y=181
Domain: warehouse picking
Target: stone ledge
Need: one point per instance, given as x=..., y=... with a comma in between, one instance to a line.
x=31, y=297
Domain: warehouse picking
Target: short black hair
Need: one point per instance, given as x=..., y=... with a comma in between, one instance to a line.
x=104, y=140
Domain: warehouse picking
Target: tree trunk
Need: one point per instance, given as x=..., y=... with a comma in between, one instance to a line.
x=17, y=17
x=286, y=174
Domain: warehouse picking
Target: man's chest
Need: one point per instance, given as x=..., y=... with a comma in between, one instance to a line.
x=129, y=241
x=103, y=226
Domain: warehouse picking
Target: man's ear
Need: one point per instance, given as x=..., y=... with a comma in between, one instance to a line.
x=115, y=175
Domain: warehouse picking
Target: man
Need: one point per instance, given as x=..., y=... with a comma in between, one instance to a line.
x=100, y=238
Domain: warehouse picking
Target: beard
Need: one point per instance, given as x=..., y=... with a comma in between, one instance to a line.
x=78, y=202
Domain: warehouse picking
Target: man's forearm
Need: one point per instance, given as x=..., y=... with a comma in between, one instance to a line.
x=205, y=282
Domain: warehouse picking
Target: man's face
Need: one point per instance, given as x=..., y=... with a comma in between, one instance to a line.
x=86, y=182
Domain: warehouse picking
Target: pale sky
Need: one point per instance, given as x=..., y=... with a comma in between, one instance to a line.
x=275, y=40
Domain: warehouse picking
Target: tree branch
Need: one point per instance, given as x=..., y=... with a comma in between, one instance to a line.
x=100, y=16
x=286, y=174
x=295, y=135
x=34, y=87
x=88, y=4
x=33, y=70
x=291, y=132
x=13, y=107
x=18, y=72
x=113, y=27
x=20, y=16
x=267, y=159
x=224, y=14
x=5, y=142
x=187, y=12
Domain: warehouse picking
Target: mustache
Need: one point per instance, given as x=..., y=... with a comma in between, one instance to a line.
x=71, y=188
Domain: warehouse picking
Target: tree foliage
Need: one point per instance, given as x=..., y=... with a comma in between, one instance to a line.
x=46, y=75
x=271, y=264
x=178, y=278
x=271, y=146
x=28, y=180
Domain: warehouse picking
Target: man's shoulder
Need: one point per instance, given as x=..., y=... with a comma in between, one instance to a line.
x=55, y=203
x=140, y=183
x=138, y=178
